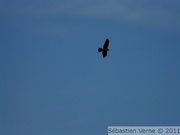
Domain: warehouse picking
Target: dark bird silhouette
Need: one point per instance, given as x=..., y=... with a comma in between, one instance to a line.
x=104, y=49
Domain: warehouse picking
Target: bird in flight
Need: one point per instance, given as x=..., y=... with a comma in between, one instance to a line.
x=105, y=48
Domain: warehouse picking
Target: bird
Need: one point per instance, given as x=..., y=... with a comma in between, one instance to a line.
x=105, y=48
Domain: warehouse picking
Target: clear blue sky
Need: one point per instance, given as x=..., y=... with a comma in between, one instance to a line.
x=54, y=82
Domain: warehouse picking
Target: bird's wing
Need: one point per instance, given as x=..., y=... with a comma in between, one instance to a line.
x=104, y=53
x=106, y=44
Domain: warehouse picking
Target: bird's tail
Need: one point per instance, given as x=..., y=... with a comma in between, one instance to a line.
x=100, y=49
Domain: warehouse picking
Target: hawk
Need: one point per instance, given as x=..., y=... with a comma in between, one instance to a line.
x=104, y=49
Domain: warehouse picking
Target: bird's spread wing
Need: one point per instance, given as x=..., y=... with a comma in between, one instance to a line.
x=104, y=53
x=106, y=44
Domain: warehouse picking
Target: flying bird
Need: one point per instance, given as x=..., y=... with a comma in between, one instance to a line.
x=105, y=48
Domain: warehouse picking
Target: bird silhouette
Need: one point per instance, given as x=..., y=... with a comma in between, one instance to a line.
x=105, y=48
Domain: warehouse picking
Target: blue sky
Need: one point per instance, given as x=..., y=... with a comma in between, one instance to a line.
x=54, y=81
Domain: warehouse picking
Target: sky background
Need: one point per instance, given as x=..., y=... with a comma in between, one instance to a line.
x=53, y=81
